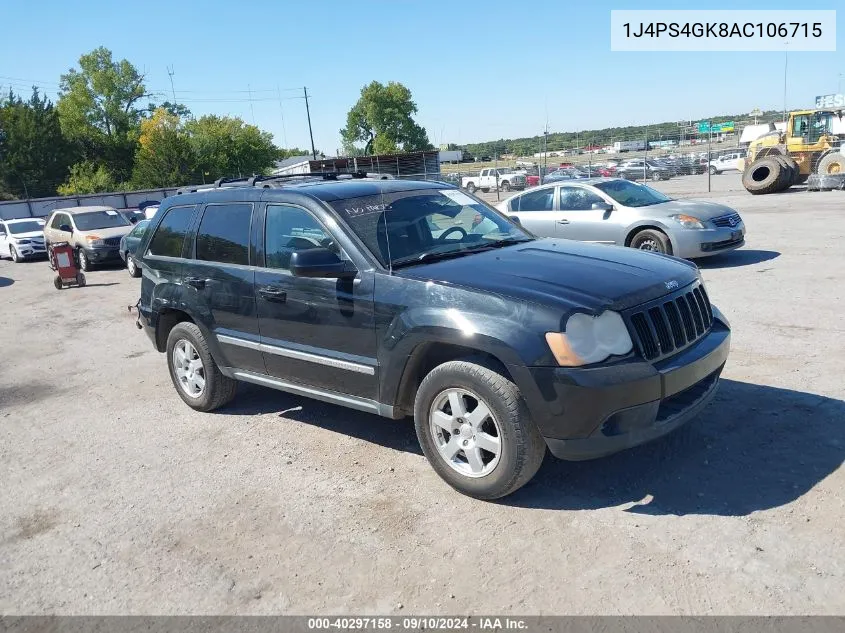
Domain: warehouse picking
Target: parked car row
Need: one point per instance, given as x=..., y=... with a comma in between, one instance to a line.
x=97, y=234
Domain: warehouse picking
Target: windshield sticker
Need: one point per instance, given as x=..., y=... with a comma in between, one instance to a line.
x=458, y=196
x=364, y=209
x=111, y=212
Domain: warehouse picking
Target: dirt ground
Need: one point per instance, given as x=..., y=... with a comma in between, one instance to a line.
x=117, y=498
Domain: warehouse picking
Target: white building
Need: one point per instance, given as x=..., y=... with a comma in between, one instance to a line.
x=292, y=165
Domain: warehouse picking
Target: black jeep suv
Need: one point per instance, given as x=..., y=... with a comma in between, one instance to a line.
x=414, y=298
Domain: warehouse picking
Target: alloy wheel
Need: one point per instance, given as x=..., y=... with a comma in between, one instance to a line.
x=465, y=432
x=190, y=372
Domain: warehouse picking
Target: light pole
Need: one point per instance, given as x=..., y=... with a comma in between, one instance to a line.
x=785, y=67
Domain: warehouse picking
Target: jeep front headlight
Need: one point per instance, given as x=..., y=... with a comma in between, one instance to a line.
x=587, y=339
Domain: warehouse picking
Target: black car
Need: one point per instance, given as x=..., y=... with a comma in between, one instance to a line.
x=405, y=298
x=129, y=244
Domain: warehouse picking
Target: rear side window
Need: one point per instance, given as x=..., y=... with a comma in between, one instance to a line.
x=223, y=235
x=538, y=200
x=170, y=234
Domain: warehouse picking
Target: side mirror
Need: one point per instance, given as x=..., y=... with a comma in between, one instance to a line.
x=67, y=228
x=602, y=206
x=320, y=262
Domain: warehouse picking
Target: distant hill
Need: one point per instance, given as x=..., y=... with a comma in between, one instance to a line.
x=670, y=130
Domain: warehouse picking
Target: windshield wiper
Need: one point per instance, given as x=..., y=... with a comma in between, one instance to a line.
x=433, y=256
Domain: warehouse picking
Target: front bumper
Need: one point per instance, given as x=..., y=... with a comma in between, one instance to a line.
x=103, y=255
x=589, y=413
x=33, y=249
x=694, y=243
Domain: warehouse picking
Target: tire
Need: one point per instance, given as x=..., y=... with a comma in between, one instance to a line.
x=57, y=282
x=471, y=187
x=653, y=241
x=505, y=186
x=655, y=176
x=790, y=171
x=84, y=262
x=80, y=280
x=217, y=389
x=15, y=255
x=521, y=447
x=831, y=164
x=132, y=267
x=713, y=171
x=761, y=177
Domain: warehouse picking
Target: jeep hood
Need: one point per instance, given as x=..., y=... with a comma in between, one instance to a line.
x=564, y=273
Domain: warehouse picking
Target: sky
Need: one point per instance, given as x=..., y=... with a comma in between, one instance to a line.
x=477, y=70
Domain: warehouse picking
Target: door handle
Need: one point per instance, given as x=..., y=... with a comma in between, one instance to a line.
x=196, y=282
x=564, y=221
x=273, y=294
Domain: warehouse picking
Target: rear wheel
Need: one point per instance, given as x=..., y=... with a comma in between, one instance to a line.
x=505, y=186
x=831, y=164
x=80, y=280
x=57, y=282
x=475, y=429
x=198, y=380
x=471, y=187
x=713, y=171
x=651, y=240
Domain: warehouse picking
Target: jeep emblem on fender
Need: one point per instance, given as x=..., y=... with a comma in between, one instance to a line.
x=671, y=284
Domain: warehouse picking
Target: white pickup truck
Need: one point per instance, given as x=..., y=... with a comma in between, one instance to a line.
x=487, y=179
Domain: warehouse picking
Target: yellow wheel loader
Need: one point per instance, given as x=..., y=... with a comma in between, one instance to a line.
x=777, y=160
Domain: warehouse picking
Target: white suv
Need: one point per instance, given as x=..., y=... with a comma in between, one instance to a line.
x=22, y=239
x=728, y=162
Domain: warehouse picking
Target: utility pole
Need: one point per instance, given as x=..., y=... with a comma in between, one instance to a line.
x=311, y=133
x=282, y=112
x=545, y=151
x=251, y=109
x=172, y=89
x=785, y=66
x=709, y=149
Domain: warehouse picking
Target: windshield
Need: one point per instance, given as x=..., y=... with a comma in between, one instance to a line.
x=25, y=227
x=99, y=220
x=410, y=227
x=630, y=194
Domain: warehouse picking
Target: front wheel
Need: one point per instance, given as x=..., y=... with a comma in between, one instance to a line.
x=505, y=186
x=15, y=255
x=132, y=267
x=713, y=171
x=475, y=429
x=198, y=380
x=84, y=262
x=651, y=240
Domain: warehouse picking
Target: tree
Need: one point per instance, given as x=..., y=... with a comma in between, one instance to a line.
x=165, y=157
x=86, y=177
x=98, y=109
x=382, y=120
x=227, y=147
x=34, y=156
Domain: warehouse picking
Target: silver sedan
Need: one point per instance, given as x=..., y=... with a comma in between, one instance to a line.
x=617, y=211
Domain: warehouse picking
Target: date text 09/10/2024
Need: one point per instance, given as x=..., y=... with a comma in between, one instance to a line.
x=418, y=623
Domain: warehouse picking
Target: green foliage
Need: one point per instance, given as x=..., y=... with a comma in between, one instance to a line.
x=382, y=120
x=226, y=146
x=98, y=109
x=34, y=156
x=165, y=156
x=86, y=177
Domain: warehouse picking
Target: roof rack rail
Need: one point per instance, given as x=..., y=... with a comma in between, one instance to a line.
x=325, y=175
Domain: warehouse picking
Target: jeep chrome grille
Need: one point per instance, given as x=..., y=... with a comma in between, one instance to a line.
x=669, y=324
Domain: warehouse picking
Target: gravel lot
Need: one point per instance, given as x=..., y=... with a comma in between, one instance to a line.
x=117, y=498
